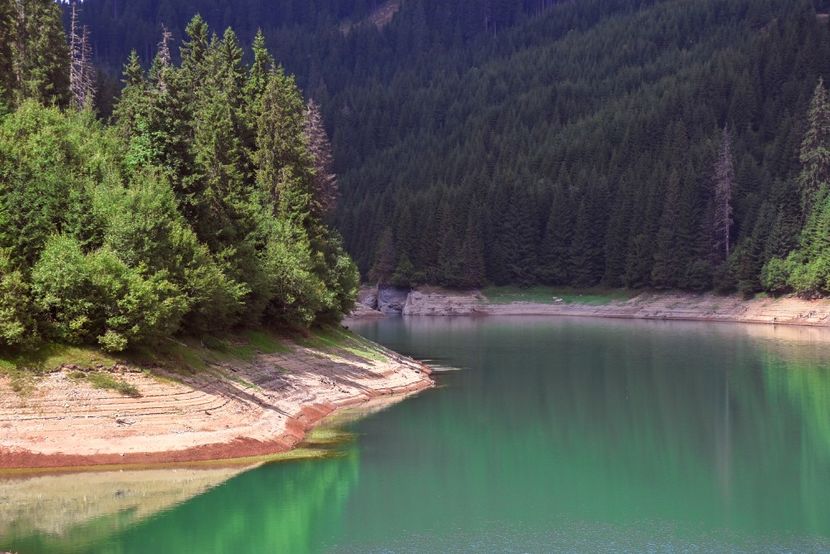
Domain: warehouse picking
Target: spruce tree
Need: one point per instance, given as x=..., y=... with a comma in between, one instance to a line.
x=8, y=38
x=324, y=181
x=724, y=186
x=554, y=253
x=815, y=150
x=42, y=54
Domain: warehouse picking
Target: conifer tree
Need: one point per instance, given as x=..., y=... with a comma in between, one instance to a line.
x=131, y=105
x=554, y=254
x=280, y=141
x=723, y=191
x=666, y=269
x=193, y=51
x=81, y=72
x=42, y=54
x=8, y=38
x=261, y=67
x=324, y=181
x=472, y=253
x=384, y=264
x=815, y=151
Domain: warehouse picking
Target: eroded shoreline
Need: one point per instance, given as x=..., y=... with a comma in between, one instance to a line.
x=789, y=310
x=237, y=411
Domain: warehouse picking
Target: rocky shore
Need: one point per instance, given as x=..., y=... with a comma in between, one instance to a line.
x=788, y=310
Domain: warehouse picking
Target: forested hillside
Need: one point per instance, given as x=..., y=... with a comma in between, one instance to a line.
x=636, y=143
x=198, y=210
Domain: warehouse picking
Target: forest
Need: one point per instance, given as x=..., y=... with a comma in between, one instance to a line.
x=198, y=208
x=660, y=144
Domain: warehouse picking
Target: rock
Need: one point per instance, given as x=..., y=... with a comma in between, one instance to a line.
x=391, y=300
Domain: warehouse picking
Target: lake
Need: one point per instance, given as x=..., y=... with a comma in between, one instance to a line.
x=544, y=435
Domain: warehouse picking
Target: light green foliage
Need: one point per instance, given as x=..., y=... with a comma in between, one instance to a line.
x=807, y=269
x=97, y=297
x=49, y=162
x=17, y=324
x=123, y=237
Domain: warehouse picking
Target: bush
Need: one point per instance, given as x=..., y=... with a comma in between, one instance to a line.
x=98, y=298
x=775, y=277
x=17, y=324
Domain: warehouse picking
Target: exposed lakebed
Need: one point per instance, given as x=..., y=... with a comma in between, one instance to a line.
x=555, y=434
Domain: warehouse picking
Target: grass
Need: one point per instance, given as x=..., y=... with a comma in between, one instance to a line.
x=24, y=369
x=178, y=357
x=550, y=295
x=185, y=356
x=106, y=381
x=334, y=338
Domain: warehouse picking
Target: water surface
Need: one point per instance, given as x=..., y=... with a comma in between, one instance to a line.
x=553, y=434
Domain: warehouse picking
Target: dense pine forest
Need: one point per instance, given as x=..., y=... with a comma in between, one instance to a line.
x=199, y=208
x=625, y=143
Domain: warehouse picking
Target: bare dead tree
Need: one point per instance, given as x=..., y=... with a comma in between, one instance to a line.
x=724, y=186
x=163, y=58
x=81, y=71
x=87, y=69
x=76, y=60
x=324, y=184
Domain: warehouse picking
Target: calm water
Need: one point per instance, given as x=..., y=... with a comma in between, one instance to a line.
x=554, y=435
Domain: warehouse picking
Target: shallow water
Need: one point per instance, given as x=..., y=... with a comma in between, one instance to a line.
x=556, y=434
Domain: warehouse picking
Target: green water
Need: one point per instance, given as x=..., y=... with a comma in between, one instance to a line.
x=572, y=435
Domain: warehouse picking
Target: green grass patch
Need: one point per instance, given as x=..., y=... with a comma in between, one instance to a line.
x=23, y=369
x=554, y=295
x=190, y=355
x=331, y=338
x=106, y=381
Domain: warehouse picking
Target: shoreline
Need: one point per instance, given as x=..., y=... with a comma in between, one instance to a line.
x=669, y=306
x=237, y=412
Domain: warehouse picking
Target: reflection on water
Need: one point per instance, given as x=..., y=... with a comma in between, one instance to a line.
x=557, y=434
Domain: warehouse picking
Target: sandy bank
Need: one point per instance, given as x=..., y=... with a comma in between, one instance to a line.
x=669, y=306
x=230, y=411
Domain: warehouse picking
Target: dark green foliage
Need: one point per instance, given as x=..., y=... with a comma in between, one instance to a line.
x=40, y=55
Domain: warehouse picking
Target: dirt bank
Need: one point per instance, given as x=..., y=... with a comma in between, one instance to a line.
x=230, y=410
x=670, y=306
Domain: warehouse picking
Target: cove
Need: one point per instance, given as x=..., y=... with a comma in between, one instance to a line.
x=547, y=434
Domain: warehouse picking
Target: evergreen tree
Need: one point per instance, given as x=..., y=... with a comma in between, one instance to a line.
x=815, y=151
x=723, y=190
x=666, y=268
x=41, y=53
x=8, y=38
x=324, y=181
x=554, y=263
x=384, y=266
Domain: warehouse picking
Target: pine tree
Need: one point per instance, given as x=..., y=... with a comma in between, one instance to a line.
x=554, y=253
x=132, y=103
x=724, y=186
x=666, y=268
x=41, y=53
x=280, y=141
x=193, y=51
x=8, y=37
x=815, y=151
x=261, y=67
x=384, y=266
x=472, y=253
x=324, y=182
